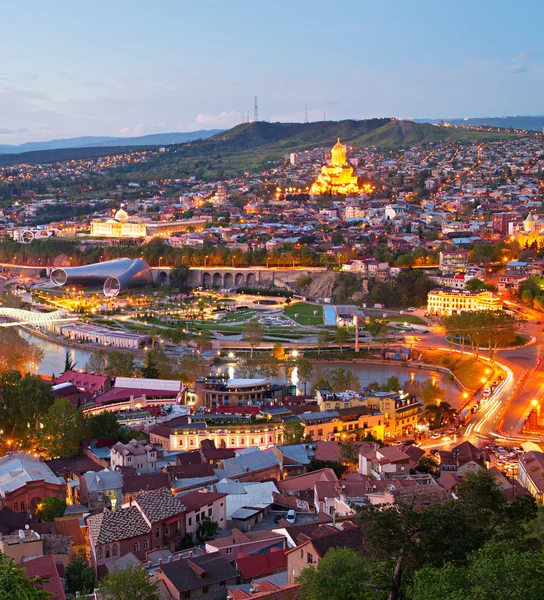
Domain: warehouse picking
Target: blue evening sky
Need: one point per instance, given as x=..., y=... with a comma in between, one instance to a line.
x=120, y=67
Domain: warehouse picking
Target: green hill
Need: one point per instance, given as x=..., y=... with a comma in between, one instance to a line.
x=257, y=146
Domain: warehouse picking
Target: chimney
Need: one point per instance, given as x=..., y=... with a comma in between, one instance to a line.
x=21, y=534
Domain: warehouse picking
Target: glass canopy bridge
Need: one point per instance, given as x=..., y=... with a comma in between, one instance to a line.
x=18, y=316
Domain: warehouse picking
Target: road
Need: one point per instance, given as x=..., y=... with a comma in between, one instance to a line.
x=505, y=412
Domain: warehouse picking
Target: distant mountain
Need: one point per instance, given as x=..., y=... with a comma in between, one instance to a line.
x=156, y=139
x=535, y=123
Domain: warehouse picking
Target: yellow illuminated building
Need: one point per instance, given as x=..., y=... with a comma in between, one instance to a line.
x=531, y=234
x=337, y=177
x=119, y=226
x=445, y=301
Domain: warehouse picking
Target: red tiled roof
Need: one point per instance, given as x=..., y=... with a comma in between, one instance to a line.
x=194, y=500
x=90, y=383
x=45, y=568
x=260, y=565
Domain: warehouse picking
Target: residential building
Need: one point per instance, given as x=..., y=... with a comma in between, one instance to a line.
x=531, y=474
x=204, y=505
x=453, y=260
x=249, y=542
x=136, y=454
x=101, y=490
x=205, y=577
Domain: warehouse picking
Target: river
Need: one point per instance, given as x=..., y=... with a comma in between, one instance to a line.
x=54, y=358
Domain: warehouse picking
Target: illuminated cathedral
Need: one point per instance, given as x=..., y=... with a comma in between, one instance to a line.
x=336, y=177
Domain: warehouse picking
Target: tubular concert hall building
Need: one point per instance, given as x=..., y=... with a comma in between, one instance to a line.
x=114, y=275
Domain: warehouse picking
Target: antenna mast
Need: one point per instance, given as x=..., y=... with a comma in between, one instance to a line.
x=306, y=113
x=255, y=111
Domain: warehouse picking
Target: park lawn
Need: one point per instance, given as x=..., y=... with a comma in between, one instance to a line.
x=305, y=313
x=468, y=370
x=415, y=320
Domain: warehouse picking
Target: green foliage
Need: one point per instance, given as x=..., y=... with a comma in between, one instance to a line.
x=16, y=354
x=427, y=464
x=349, y=453
x=345, y=285
x=51, y=508
x=15, y=585
x=338, y=380
x=342, y=574
x=187, y=541
x=179, y=277
x=79, y=578
x=253, y=334
x=337, y=467
x=497, y=571
x=149, y=370
x=23, y=403
x=342, y=337
x=477, y=285
x=410, y=288
x=69, y=364
x=391, y=385
x=207, y=530
x=64, y=426
x=293, y=432
x=131, y=583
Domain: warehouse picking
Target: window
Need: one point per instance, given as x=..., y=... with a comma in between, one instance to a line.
x=205, y=589
x=221, y=504
x=229, y=550
x=137, y=547
x=22, y=506
x=197, y=518
x=190, y=521
x=146, y=545
x=15, y=506
x=210, y=512
x=99, y=554
x=114, y=550
x=310, y=559
x=157, y=533
x=187, y=594
x=302, y=553
x=129, y=458
x=107, y=552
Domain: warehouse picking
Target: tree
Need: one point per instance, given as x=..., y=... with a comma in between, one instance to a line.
x=207, y=530
x=69, y=364
x=498, y=571
x=203, y=340
x=104, y=425
x=427, y=464
x=349, y=453
x=341, y=337
x=51, y=508
x=342, y=574
x=278, y=352
x=120, y=364
x=293, y=432
x=64, y=427
x=253, y=333
x=149, y=370
x=376, y=327
x=323, y=339
x=338, y=468
x=179, y=277
x=131, y=583
x=23, y=402
x=15, y=585
x=79, y=578
x=97, y=362
x=305, y=370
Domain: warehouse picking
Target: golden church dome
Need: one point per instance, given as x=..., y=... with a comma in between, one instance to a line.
x=338, y=155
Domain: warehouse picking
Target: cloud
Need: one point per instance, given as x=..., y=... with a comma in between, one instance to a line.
x=223, y=119
x=13, y=131
x=516, y=69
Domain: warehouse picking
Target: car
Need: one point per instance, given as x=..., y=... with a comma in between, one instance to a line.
x=411, y=309
x=291, y=516
x=418, y=339
x=435, y=436
x=446, y=438
x=278, y=518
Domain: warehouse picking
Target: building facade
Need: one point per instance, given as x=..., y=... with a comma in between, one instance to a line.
x=447, y=301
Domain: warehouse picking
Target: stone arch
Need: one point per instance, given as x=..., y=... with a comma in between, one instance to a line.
x=206, y=280
x=163, y=277
x=251, y=279
x=239, y=279
x=228, y=281
x=217, y=280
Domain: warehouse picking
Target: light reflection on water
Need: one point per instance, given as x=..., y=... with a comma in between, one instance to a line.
x=54, y=358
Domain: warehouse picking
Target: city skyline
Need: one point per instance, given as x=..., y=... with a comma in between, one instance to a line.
x=134, y=69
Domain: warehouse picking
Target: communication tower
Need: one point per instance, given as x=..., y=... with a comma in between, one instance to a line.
x=255, y=111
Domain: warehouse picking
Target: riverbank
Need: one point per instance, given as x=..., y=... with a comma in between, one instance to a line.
x=402, y=364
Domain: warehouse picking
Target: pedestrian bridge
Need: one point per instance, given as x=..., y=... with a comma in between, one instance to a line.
x=18, y=316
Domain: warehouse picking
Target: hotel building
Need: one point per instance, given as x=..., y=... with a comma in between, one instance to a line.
x=446, y=301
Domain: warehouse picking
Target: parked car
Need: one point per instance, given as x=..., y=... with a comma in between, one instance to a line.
x=291, y=516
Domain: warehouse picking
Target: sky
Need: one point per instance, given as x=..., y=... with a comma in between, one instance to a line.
x=127, y=68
